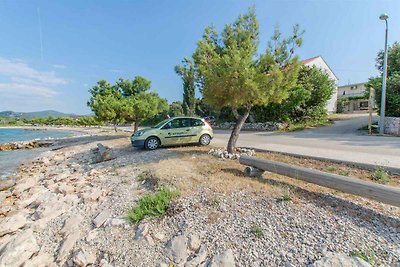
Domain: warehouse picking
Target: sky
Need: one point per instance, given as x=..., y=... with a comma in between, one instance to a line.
x=52, y=52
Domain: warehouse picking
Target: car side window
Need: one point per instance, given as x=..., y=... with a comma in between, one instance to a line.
x=168, y=125
x=197, y=122
x=177, y=123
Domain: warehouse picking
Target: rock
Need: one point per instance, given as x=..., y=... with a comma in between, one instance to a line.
x=141, y=231
x=91, y=235
x=194, y=242
x=19, y=250
x=93, y=172
x=199, y=258
x=159, y=236
x=44, y=259
x=72, y=224
x=65, y=189
x=104, y=263
x=101, y=218
x=5, y=240
x=224, y=259
x=83, y=258
x=67, y=245
x=13, y=223
x=24, y=185
x=149, y=240
x=92, y=195
x=340, y=260
x=4, y=195
x=117, y=222
x=47, y=211
x=71, y=199
x=176, y=249
x=103, y=153
x=6, y=184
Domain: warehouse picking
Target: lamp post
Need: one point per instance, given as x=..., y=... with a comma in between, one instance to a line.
x=383, y=99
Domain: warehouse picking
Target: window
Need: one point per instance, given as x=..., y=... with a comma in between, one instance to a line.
x=177, y=123
x=197, y=122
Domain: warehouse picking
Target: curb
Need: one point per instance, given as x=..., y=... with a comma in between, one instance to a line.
x=366, y=166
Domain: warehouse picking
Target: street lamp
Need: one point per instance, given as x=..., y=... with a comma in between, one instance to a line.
x=383, y=99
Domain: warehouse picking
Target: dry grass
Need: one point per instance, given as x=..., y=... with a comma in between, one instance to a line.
x=194, y=169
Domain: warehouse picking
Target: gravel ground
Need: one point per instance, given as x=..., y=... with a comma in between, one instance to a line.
x=271, y=221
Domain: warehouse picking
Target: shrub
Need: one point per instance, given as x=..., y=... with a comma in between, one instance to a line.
x=380, y=175
x=368, y=256
x=153, y=205
x=257, y=231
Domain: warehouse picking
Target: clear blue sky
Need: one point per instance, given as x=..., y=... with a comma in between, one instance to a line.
x=85, y=41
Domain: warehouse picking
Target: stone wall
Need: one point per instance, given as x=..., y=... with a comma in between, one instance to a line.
x=253, y=126
x=392, y=126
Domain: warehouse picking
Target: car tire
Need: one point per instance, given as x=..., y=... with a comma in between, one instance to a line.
x=205, y=140
x=152, y=143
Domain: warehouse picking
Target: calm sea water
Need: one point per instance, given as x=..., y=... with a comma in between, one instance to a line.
x=10, y=160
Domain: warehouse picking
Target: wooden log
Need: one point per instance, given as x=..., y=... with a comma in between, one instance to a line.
x=383, y=193
x=252, y=171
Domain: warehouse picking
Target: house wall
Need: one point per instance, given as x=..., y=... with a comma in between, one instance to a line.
x=318, y=62
x=352, y=90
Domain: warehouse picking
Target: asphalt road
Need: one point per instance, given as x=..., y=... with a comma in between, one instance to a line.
x=342, y=140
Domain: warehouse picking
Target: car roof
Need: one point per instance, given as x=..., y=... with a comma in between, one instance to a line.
x=184, y=117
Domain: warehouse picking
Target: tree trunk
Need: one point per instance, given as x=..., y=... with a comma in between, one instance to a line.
x=136, y=127
x=115, y=127
x=240, y=120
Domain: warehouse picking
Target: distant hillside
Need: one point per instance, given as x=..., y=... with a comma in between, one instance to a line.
x=36, y=114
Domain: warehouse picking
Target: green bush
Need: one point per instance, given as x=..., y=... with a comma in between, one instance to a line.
x=306, y=101
x=153, y=205
x=393, y=81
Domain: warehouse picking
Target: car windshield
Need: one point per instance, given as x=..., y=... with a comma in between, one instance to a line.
x=158, y=125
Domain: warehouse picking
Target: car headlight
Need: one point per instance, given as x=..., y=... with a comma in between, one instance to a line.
x=138, y=134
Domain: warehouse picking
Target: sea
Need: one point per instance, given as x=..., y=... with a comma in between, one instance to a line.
x=10, y=160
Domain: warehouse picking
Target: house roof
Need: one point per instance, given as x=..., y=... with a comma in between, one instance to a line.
x=309, y=60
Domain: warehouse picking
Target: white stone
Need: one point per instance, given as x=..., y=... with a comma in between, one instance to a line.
x=340, y=260
x=194, y=242
x=65, y=189
x=199, y=258
x=177, y=249
x=19, y=250
x=72, y=224
x=44, y=259
x=101, y=218
x=24, y=185
x=13, y=223
x=224, y=259
x=67, y=245
x=83, y=258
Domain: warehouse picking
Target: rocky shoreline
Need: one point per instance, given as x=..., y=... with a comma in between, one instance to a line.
x=25, y=145
x=68, y=209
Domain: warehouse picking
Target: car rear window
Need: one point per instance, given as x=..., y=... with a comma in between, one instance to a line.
x=197, y=122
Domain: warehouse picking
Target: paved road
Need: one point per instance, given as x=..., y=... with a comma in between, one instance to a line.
x=342, y=140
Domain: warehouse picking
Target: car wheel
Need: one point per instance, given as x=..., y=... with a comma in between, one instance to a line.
x=205, y=140
x=152, y=143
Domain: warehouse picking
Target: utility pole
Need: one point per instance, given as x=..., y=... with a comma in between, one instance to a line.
x=383, y=99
